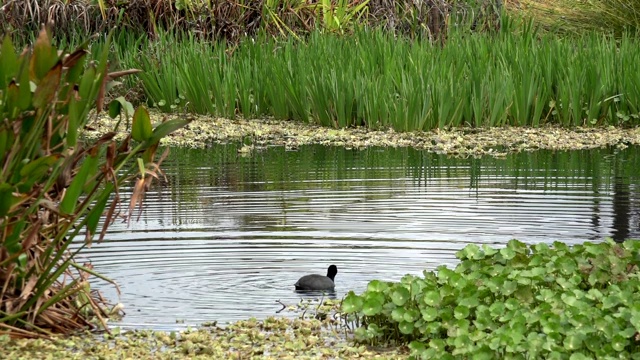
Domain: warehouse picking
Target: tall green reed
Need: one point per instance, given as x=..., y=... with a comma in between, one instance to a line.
x=379, y=80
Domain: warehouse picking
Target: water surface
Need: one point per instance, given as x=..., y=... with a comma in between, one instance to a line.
x=226, y=236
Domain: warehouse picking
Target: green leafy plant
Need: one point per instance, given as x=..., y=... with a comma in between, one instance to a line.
x=338, y=15
x=535, y=301
x=55, y=186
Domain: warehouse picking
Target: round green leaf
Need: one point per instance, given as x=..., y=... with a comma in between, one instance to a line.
x=461, y=312
x=352, y=303
x=619, y=342
x=488, y=250
x=406, y=327
x=573, y=342
x=432, y=298
x=429, y=313
x=411, y=315
x=371, y=307
x=400, y=295
x=417, y=346
x=361, y=334
x=469, y=252
x=438, y=344
x=377, y=285
x=398, y=314
x=507, y=253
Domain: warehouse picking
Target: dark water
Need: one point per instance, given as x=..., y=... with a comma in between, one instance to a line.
x=227, y=236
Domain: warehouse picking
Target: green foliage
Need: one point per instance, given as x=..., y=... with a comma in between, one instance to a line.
x=378, y=80
x=55, y=186
x=535, y=301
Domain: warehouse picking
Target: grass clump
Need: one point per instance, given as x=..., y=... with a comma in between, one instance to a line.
x=545, y=302
x=575, y=17
x=376, y=80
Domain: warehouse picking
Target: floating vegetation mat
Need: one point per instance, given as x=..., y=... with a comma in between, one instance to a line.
x=306, y=337
x=462, y=142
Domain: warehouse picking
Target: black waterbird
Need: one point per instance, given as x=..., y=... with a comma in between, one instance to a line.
x=318, y=282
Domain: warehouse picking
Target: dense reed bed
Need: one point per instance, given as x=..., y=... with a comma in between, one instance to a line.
x=377, y=80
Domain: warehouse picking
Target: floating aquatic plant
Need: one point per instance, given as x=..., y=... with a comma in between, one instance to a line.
x=520, y=301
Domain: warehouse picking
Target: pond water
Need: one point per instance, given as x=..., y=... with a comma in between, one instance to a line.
x=227, y=236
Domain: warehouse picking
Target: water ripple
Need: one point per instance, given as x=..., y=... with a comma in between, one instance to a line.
x=225, y=238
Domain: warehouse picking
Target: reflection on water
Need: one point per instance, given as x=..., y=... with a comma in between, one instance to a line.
x=226, y=237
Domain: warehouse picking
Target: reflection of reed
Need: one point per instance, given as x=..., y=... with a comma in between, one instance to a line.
x=621, y=210
x=328, y=188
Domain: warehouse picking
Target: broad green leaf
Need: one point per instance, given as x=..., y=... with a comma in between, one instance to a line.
x=44, y=57
x=89, y=79
x=114, y=108
x=497, y=308
x=46, y=90
x=36, y=171
x=141, y=128
x=457, y=281
x=118, y=105
x=6, y=198
x=70, y=199
x=509, y=287
x=76, y=64
x=13, y=243
x=37, y=168
x=74, y=120
x=8, y=61
x=93, y=218
x=167, y=128
x=24, y=102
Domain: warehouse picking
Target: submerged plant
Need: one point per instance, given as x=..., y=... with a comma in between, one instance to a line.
x=535, y=302
x=54, y=186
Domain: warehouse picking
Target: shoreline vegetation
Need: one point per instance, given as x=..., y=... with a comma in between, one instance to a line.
x=457, y=77
x=516, y=77
x=257, y=134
